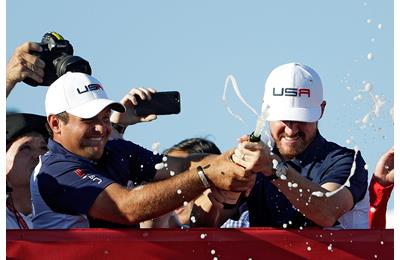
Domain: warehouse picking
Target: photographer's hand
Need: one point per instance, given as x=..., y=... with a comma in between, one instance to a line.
x=22, y=64
x=130, y=101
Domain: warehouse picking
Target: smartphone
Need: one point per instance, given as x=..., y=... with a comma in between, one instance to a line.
x=161, y=103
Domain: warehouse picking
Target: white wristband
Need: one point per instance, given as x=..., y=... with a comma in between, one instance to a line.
x=203, y=177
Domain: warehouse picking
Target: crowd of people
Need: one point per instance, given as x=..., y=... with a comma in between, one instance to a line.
x=72, y=167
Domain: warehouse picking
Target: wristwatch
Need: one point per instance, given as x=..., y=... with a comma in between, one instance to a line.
x=281, y=168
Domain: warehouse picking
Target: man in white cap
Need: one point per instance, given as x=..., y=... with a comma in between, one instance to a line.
x=85, y=174
x=305, y=180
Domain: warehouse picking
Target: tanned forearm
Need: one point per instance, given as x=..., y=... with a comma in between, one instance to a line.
x=120, y=205
x=311, y=200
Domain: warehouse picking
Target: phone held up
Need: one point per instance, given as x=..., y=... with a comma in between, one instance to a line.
x=161, y=103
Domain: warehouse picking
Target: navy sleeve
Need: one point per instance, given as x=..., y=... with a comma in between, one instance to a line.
x=71, y=188
x=339, y=170
x=141, y=161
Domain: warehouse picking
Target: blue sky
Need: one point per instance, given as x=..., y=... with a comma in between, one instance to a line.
x=192, y=46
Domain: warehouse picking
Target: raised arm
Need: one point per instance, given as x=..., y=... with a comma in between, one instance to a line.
x=22, y=65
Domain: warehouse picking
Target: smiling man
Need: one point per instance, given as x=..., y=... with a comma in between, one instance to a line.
x=85, y=174
x=305, y=180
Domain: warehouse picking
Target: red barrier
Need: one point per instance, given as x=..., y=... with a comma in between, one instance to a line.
x=200, y=243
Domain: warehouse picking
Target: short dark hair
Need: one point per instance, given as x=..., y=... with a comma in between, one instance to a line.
x=63, y=116
x=195, y=145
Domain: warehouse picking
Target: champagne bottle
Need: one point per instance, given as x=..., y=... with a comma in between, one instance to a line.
x=254, y=139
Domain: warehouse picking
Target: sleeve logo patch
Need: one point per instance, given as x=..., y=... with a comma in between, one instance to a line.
x=83, y=176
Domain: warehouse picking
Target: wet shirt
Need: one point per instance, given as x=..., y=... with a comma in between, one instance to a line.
x=64, y=186
x=321, y=162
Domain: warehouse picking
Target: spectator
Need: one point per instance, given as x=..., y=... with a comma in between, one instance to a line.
x=380, y=188
x=180, y=217
x=306, y=180
x=84, y=174
x=25, y=141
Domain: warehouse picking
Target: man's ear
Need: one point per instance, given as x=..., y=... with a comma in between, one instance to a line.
x=323, y=104
x=54, y=124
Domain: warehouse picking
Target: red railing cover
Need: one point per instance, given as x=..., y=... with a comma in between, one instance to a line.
x=200, y=243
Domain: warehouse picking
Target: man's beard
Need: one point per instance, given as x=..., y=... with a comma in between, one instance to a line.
x=289, y=151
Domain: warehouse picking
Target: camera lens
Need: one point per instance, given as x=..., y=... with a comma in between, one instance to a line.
x=71, y=63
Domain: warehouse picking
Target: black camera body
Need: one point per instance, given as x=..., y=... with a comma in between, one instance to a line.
x=58, y=56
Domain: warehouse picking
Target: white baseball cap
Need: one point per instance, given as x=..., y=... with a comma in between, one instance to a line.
x=293, y=92
x=78, y=94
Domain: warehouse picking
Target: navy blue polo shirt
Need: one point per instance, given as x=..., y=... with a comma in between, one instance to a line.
x=64, y=186
x=321, y=162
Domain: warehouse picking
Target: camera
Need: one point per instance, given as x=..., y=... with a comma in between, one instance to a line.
x=57, y=53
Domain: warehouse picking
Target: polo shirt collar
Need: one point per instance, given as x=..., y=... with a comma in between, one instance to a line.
x=57, y=148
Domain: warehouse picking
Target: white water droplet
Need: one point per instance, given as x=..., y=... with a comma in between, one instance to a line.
x=215, y=258
x=202, y=236
x=309, y=248
x=330, y=247
x=290, y=222
x=295, y=185
x=301, y=228
x=289, y=184
x=380, y=26
x=165, y=158
x=172, y=173
x=370, y=56
x=193, y=219
x=348, y=141
x=366, y=167
x=365, y=119
x=300, y=190
x=158, y=166
x=317, y=194
x=372, y=39
x=212, y=251
x=284, y=225
x=179, y=191
x=375, y=256
x=369, y=20
x=155, y=146
x=382, y=242
x=372, y=209
x=358, y=97
x=368, y=87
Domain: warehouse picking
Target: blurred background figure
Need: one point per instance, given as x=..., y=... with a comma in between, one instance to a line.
x=26, y=141
x=181, y=216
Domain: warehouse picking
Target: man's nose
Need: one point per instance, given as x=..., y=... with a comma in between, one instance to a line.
x=291, y=127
